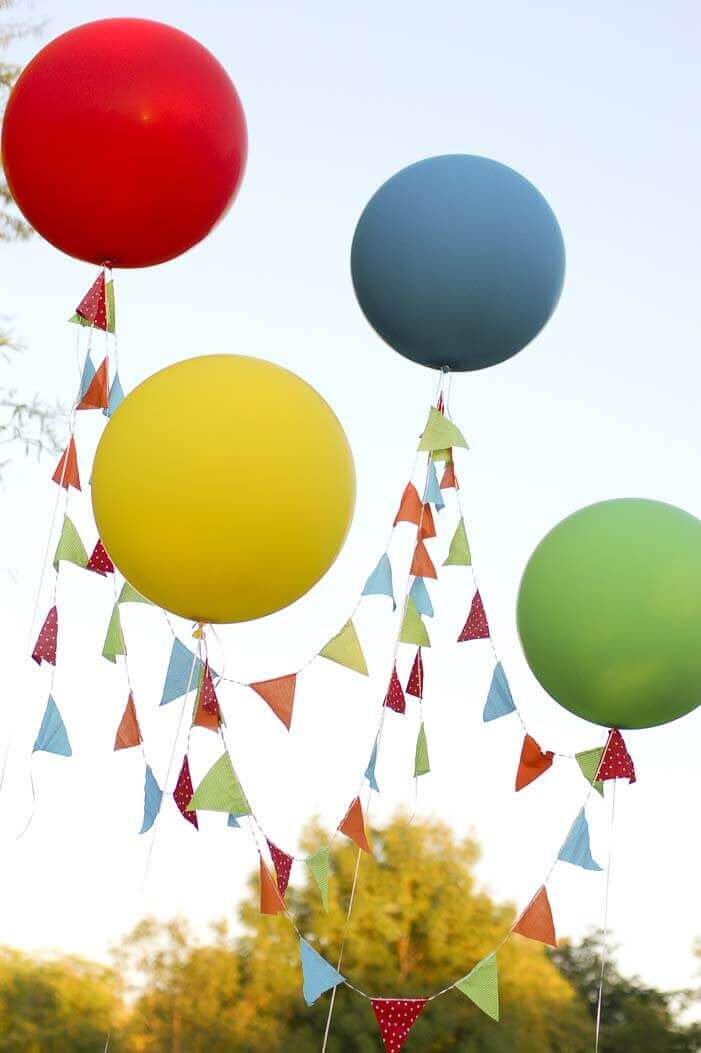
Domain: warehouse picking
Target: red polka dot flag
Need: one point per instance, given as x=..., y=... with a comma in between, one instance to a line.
x=394, y=699
x=395, y=1018
x=283, y=865
x=415, y=684
x=616, y=762
x=100, y=562
x=182, y=794
x=476, y=626
x=93, y=306
x=45, y=647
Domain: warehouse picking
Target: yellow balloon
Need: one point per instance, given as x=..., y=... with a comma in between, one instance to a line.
x=223, y=488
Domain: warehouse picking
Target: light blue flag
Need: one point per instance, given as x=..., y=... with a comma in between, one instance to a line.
x=433, y=494
x=499, y=701
x=53, y=737
x=422, y=600
x=86, y=376
x=380, y=581
x=233, y=820
x=577, y=849
x=317, y=975
x=115, y=397
x=370, y=770
x=182, y=676
x=153, y=795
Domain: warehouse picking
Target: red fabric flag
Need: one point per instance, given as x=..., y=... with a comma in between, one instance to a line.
x=533, y=762
x=440, y=405
x=45, y=647
x=616, y=761
x=428, y=525
x=182, y=794
x=394, y=699
x=97, y=394
x=409, y=507
x=422, y=565
x=536, y=922
x=271, y=902
x=66, y=473
x=415, y=684
x=93, y=306
x=449, y=480
x=395, y=1018
x=100, y=562
x=353, y=826
x=279, y=694
x=283, y=865
x=476, y=626
x=207, y=707
x=128, y=732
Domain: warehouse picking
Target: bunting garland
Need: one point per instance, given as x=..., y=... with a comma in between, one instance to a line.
x=279, y=693
x=476, y=626
x=182, y=794
x=45, y=647
x=153, y=795
x=395, y=1018
x=318, y=975
x=52, y=736
x=283, y=865
x=616, y=761
x=481, y=986
x=533, y=762
x=415, y=684
x=70, y=548
x=394, y=699
x=353, y=826
x=380, y=581
x=345, y=649
x=499, y=700
x=99, y=561
x=421, y=762
x=536, y=921
x=318, y=864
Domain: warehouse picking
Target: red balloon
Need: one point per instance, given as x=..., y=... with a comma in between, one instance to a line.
x=124, y=142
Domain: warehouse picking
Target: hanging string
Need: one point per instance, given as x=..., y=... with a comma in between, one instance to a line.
x=604, y=943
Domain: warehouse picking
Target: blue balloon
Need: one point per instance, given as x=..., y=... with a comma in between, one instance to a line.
x=458, y=262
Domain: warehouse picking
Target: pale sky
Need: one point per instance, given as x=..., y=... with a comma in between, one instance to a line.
x=600, y=109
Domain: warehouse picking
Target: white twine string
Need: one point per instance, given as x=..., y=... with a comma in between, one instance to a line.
x=604, y=944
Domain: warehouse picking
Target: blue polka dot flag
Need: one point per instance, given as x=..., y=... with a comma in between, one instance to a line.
x=577, y=849
x=318, y=975
x=53, y=737
x=499, y=700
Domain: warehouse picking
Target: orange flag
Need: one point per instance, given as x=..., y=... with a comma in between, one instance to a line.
x=271, y=901
x=66, y=473
x=97, y=395
x=536, y=922
x=428, y=526
x=279, y=694
x=422, y=565
x=449, y=482
x=128, y=732
x=409, y=507
x=353, y=826
x=533, y=762
x=207, y=714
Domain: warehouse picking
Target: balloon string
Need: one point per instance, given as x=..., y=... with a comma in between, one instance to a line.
x=604, y=944
x=351, y=901
x=34, y=798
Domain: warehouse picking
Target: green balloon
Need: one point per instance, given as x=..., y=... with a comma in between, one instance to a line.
x=609, y=613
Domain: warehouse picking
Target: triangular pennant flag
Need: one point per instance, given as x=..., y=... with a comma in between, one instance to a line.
x=476, y=627
x=279, y=693
x=409, y=506
x=440, y=433
x=77, y=320
x=128, y=732
x=53, y=737
x=370, y=770
x=115, y=397
x=153, y=795
x=448, y=479
x=536, y=922
x=421, y=762
x=183, y=673
x=110, y=307
x=271, y=902
x=233, y=821
x=66, y=473
x=533, y=762
x=413, y=630
x=45, y=647
x=220, y=790
x=97, y=395
x=415, y=684
x=99, y=561
x=499, y=700
x=481, y=986
x=345, y=649
x=422, y=565
x=394, y=699
x=93, y=307
x=318, y=976
x=182, y=794
x=459, y=551
x=353, y=826
x=616, y=762
x=114, y=640
x=318, y=864
x=432, y=492
x=577, y=847
x=283, y=865
x=428, y=525
x=442, y=455
x=422, y=600
x=130, y=595
x=207, y=713
x=87, y=374
x=589, y=761
x=380, y=581
x=395, y=1018
x=70, y=548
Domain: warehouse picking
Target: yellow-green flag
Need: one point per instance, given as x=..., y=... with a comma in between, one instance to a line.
x=481, y=986
x=220, y=791
x=114, y=641
x=459, y=552
x=589, y=761
x=130, y=595
x=421, y=763
x=318, y=864
x=70, y=548
x=440, y=433
x=345, y=649
x=413, y=629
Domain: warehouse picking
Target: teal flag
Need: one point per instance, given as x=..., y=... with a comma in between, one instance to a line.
x=380, y=581
x=53, y=737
